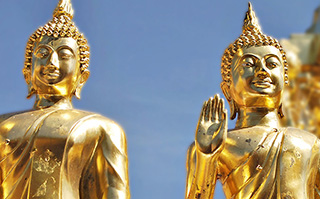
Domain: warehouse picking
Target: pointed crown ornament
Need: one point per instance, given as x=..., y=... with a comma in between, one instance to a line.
x=252, y=35
x=61, y=25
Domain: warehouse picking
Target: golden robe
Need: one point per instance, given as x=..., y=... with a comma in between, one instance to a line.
x=266, y=163
x=62, y=153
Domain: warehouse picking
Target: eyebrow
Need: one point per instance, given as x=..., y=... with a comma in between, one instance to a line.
x=251, y=55
x=44, y=46
x=272, y=55
x=65, y=47
x=243, y=57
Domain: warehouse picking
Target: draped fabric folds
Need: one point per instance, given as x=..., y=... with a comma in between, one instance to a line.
x=263, y=181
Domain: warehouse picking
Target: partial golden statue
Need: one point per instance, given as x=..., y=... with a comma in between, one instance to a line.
x=54, y=150
x=302, y=107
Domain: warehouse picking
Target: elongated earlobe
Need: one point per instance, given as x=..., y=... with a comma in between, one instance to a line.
x=84, y=77
x=280, y=112
x=77, y=93
x=233, y=109
x=233, y=106
x=31, y=91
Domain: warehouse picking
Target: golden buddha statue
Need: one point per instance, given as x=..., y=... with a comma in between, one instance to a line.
x=53, y=150
x=259, y=158
x=302, y=107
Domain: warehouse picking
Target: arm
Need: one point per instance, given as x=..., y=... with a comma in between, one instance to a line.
x=114, y=148
x=191, y=161
x=106, y=174
x=209, y=142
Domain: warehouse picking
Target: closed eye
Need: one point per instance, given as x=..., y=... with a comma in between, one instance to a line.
x=65, y=53
x=272, y=64
x=247, y=64
x=42, y=53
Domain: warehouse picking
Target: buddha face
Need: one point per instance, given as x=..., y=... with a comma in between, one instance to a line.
x=257, y=77
x=55, y=66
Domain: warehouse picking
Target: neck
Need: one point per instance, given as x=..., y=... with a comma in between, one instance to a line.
x=46, y=101
x=249, y=117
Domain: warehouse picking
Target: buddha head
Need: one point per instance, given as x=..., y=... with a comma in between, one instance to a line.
x=254, y=69
x=57, y=57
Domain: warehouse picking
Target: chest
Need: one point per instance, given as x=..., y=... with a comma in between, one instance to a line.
x=34, y=147
x=273, y=159
x=244, y=148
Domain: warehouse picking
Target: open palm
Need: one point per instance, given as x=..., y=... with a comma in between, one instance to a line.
x=212, y=126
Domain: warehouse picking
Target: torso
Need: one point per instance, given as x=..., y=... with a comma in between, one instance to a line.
x=262, y=162
x=41, y=151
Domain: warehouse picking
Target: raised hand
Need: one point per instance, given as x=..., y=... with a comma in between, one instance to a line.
x=211, y=131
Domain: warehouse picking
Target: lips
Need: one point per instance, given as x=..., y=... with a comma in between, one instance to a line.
x=50, y=72
x=262, y=83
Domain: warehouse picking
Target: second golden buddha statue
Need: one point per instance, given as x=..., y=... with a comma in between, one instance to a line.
x=258, y=159
x=53, y=150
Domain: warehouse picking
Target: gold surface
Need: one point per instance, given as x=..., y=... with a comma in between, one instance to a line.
x=258, y=158
x=302, y=106
x=53, y=150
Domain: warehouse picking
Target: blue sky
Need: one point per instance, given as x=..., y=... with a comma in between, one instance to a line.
x=153, y=64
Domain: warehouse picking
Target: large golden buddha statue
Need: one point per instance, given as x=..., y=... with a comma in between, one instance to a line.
x=258, y=159
x=53, y=150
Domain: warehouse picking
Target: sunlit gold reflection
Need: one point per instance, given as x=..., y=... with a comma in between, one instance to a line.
x=258, y=158
x=53, y=150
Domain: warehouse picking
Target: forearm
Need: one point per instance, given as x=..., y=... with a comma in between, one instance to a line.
x=117, y=173
x=118, y=182
x=205, y=176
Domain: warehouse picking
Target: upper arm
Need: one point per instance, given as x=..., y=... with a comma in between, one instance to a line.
x=107, y=170
x=114, y=151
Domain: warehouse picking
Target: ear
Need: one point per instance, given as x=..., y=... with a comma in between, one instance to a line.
x=83, y=78
x=233, y=106
x=280, y=112
x=27, y=76
x=225, y=90
x=31, y=91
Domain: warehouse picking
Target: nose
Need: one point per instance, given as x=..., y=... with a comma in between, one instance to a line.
x=262, y=70
x=53, y=60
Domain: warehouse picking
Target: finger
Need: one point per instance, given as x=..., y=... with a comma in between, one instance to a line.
x=210, y=108
x=217, y=97
x=206, y=116
x=225, y=114
x=224, y=110
x=223, y=128
x=203, y=110
x=221, y=109
x=214, y=101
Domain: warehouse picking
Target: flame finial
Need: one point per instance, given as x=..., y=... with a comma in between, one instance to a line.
x=64, y=7
x=250, y=21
